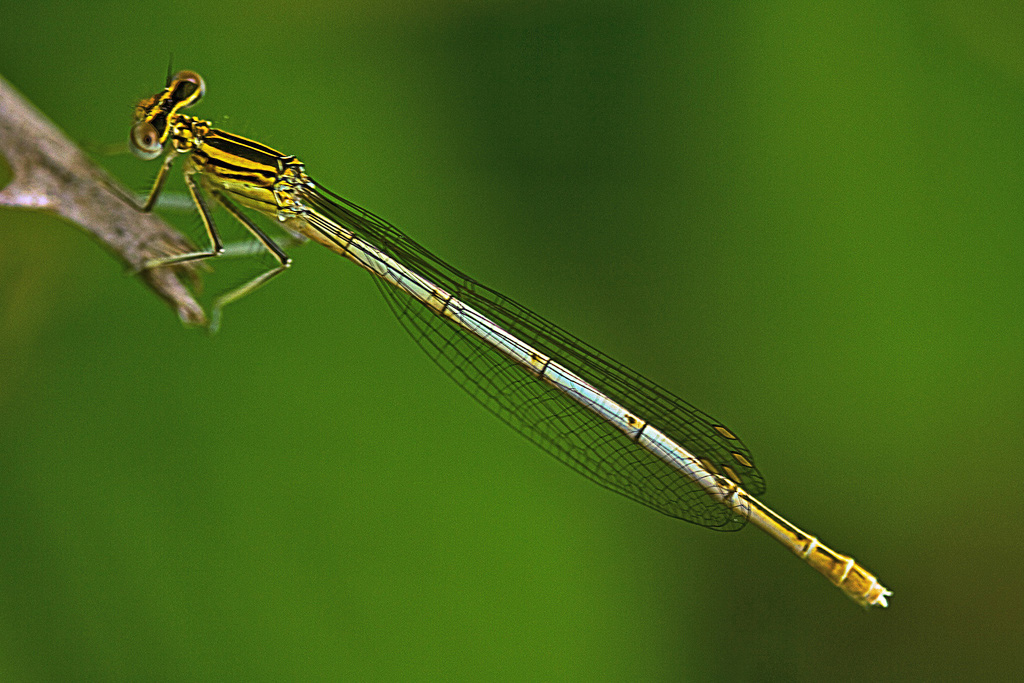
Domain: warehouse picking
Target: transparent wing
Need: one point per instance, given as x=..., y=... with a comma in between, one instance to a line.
x=567, y=430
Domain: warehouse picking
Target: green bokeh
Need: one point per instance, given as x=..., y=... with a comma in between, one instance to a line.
x=806, y=219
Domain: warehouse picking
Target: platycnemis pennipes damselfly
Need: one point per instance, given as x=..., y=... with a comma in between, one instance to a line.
x=594, y=414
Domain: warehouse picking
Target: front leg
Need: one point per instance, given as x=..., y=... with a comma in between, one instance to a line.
x=216, y=247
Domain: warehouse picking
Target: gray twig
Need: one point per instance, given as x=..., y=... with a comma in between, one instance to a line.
x=52, y=174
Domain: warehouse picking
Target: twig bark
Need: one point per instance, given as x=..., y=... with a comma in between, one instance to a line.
x=52, y=174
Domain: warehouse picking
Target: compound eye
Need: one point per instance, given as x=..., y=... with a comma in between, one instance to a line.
x=145, y=141
x=187, y=88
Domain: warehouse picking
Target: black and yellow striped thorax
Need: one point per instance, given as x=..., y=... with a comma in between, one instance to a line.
x=249, y=171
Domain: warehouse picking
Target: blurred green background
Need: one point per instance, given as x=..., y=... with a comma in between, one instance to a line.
x=805, y=219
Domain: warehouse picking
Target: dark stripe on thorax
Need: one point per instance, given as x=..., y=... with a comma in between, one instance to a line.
x=243, y=149
x=232, y=156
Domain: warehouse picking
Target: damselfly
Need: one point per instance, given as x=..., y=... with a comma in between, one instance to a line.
x=597, y=416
